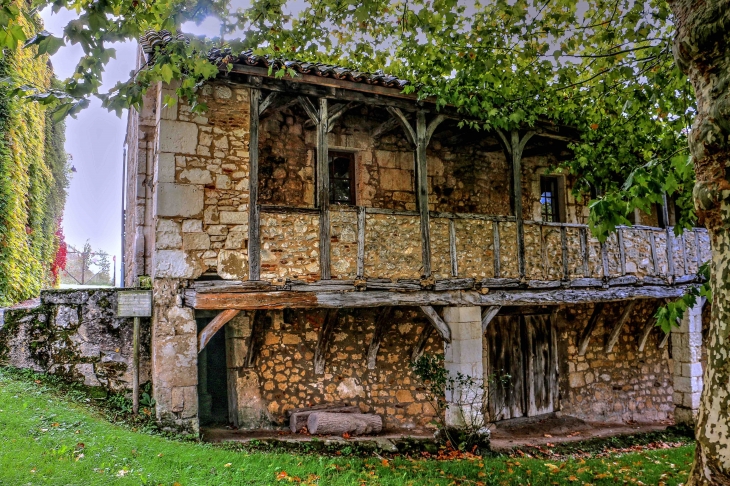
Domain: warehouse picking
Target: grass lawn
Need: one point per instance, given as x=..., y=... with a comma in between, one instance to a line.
x=47, y=438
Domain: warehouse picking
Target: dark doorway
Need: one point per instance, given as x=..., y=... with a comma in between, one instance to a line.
x=522, y=360
x=212, y=379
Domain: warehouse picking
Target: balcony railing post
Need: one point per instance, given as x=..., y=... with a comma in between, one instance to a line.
x=495, y=239
x=621, y=250
x=584, y=251
x=564, y=247
x=254, y=218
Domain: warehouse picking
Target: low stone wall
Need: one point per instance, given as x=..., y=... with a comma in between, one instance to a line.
x=74, y=334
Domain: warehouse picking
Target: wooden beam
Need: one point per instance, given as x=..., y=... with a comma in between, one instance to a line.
x=650, y=324
x=323, y=191
x=452, y=249
x=421, y=176
x=515, y=146
x=254, y=218
x=585, y=336
x=323, y=340
x=437, y=322
x=488, y=314
x=384, y=128
x=496, y=245
x=407, y=128
x=267, y=101
x=360, y=241
x=664, y=341
x=309, y=107
x=381, y=326
x=584, y=251
x=214, y=326
x=621, y=250
x=432, y=126
x=377, y=298
x=616, y=331
x=256, y=340
x=652, y=244
x=338, y=111
x=420, y=345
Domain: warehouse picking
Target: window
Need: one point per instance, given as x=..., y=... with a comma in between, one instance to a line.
x=342, y=178
x=550, y=199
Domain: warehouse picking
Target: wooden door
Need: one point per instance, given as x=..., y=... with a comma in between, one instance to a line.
x=522, y=366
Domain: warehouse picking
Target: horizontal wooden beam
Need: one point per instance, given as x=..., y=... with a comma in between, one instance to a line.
x=214, y=326
x=377, y=298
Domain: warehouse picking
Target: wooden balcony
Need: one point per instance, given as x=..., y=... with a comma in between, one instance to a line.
x=478, y=255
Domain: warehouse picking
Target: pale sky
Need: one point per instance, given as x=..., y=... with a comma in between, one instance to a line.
x=95, y=142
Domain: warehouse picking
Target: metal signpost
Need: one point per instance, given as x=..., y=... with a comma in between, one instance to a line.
x=135, y=303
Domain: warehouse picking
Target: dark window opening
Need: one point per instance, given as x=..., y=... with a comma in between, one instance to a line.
x=549, y=199
x=342, y=178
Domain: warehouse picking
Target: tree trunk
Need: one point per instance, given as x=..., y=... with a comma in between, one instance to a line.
x=326, y=423
x=298, y=420
x=702, y=51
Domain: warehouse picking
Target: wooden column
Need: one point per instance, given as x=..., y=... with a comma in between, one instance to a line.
x=421, y=177
x=323, y=190
x=254, y=218
x=322, y=175
x=420, y=138
x=515, y=146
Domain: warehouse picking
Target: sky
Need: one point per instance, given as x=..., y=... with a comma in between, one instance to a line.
x=94, y=140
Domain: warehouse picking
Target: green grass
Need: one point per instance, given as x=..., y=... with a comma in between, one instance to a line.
x=47, y=437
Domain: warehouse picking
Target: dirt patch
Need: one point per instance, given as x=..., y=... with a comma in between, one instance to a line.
x=556, y=428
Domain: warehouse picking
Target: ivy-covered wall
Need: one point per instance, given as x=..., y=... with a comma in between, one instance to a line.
x=33, y=179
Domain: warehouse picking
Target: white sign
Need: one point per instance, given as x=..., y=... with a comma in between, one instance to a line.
x=134, y=303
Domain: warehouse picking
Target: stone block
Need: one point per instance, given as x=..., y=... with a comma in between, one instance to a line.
x=194, y=175
x=168, y=236
x=184, y=401
x=235, y=240
x=691, y=370
x=178, y=137
x=396, y=180
x=67, y=317
x=176, y=264
x=465, y=330
x=192, y=226
x=466, y=351
x=463, y=314
x=232, y=265
x=233, y=217
x=175, y=361
x=165, y=168
x=178, y=200
x=236, y=351
x=196, y=241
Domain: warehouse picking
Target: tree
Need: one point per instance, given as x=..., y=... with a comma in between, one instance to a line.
x=702, y=50
x=603, y=66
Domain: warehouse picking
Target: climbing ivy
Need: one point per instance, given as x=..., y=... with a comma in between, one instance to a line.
x=33, y=178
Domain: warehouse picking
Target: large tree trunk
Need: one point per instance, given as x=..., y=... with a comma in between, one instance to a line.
x=702, y=50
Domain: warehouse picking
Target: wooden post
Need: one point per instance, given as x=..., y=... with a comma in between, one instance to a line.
x=452, y=249
x=515, y=146
x=670, y=249
x=684, y=253
x=361, y=241
x=584, y=251
x=487, y=315
x=621, y=251
x=214, y=326
x=495, y=239
x=323, y=340
x=135, y=367
x=564, y=247
x=254, y=217
x=422, y=191
x=323, y=190
x=604, y=261
x=652, y=243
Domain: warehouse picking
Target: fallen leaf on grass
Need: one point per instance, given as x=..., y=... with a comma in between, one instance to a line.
x=228, y=464
x=281, y=475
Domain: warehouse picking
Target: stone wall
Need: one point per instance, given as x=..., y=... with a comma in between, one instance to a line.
x=201, y=185
x=284, y=376
x=74, y=334
x=620, y=386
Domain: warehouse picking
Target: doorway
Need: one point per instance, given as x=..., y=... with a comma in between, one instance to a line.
x=522, y=366
x=212, y=378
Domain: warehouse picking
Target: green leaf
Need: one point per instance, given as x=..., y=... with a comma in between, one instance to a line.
x=166, y=73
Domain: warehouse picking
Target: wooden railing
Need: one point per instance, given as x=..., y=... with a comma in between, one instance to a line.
x=379, y=244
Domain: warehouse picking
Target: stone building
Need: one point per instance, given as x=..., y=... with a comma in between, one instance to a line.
x=330, y=228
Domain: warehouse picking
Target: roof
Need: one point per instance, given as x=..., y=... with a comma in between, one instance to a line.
x=152, y=39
